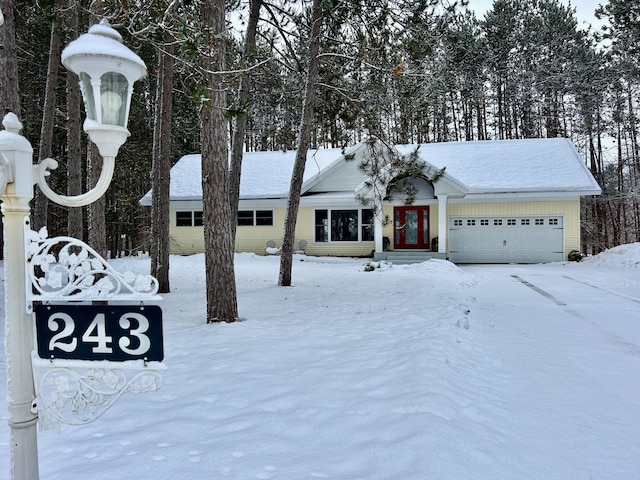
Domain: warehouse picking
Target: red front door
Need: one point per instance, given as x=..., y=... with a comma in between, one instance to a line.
x=411, y=225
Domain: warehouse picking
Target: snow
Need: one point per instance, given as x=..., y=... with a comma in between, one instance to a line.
x=101, y=40
x=506, y=166
x=406, y=372
x=497, y=166
x=264, y=174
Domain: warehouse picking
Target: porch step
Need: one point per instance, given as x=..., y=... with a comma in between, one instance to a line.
x=406, y=257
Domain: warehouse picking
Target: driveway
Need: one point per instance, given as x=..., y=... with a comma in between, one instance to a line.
x=567, y=337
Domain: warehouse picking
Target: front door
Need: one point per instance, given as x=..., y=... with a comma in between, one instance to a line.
x=411, y=225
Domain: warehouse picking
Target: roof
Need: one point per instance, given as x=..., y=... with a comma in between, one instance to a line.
x=264, y=174
x=482, y=167
x=510, y=166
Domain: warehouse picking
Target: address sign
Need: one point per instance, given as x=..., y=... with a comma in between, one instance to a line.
x=99, y=332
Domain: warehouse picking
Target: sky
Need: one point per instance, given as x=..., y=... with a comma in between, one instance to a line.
x=405, y=372
x=584, y=9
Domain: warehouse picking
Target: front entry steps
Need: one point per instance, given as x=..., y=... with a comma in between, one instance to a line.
x=406, y=257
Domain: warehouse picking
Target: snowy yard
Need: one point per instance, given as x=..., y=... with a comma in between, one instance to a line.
x=406, y=372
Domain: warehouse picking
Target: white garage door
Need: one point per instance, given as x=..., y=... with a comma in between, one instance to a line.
x=535, y=239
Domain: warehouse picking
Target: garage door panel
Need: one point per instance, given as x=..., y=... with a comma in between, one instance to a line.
x=534, y=239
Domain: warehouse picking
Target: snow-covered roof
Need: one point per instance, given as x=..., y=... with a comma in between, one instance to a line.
x=510, y=166
x=481, y=167
x=264, y=174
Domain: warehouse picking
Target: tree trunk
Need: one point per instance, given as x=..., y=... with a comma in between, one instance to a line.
x=95, y=210
x=9, y=92
x=220, y=276
x=74, y=132
x=96, y=220
x=159, y=249
x=41, y=202
x=241, y=120
x=304, y=139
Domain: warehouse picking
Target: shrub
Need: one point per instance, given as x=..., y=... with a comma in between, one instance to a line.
x=574, y=256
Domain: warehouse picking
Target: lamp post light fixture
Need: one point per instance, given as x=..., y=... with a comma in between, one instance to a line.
x=107, y=70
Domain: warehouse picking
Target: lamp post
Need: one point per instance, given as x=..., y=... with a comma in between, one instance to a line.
x=107, y=70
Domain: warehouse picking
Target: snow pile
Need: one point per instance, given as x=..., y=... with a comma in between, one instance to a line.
x=622, y=256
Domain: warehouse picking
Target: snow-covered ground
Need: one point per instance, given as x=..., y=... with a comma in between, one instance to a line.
x=407, y=372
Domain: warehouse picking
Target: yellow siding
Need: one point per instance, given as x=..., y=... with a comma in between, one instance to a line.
x=254, y=239
x=570, y=210
x=305, y=230
x=189, y=240
x=185, y=240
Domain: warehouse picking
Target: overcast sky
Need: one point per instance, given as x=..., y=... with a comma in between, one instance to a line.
x=584, y=9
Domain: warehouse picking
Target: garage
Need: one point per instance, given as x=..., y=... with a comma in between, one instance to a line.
x=517, y=239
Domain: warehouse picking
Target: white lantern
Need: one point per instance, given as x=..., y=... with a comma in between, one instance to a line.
x=107, y=70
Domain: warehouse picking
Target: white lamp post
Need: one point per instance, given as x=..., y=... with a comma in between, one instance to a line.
x=107, y=71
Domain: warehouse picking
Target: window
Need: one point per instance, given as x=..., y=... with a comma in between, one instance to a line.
x=322, y=226
x=250, y=218
x=457, y=223
x=367, y=233
x=497, y=222
x=484, y=222
x=189, y=219
x=264, y=218
x=245, y=217
x=553, y=221
x=539, y=221
x=344, y=225
x=471, y=223
x=511, y=221
x=524, y=221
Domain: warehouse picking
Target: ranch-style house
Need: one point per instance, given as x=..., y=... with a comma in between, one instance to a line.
x=502, y=201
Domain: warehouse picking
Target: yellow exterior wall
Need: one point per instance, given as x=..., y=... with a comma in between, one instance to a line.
x=185, y=240
x=569, y=209
x=189, y=240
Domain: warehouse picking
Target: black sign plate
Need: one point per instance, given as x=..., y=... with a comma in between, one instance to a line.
x=99, y=332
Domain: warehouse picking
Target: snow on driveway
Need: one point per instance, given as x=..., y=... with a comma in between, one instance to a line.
x=570, y=353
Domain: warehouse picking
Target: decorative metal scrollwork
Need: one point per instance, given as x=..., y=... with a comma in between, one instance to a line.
x=76, y=395
x=66, y=269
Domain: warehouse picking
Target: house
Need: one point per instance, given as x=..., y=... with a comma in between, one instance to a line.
x=496, y=202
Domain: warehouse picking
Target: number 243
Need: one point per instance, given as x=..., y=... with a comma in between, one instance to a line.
x=96, y=333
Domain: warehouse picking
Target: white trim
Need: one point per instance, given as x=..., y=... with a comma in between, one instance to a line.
x=442, y=224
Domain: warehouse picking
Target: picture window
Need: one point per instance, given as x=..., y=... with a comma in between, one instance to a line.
x=344, y=225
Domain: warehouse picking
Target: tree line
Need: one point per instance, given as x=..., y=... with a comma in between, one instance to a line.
x=265, y=75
